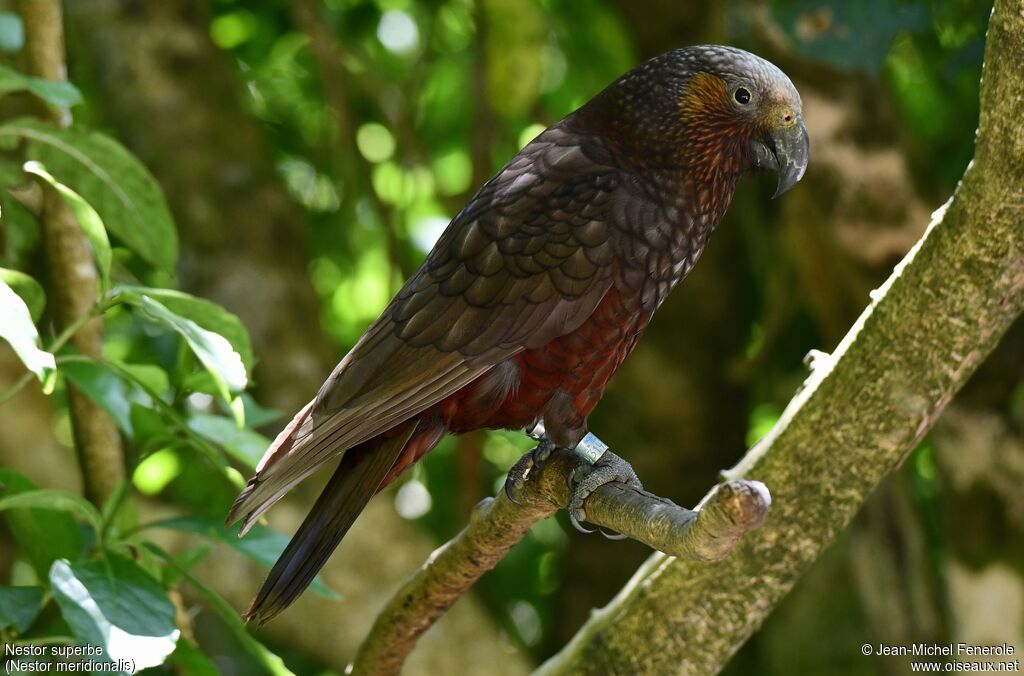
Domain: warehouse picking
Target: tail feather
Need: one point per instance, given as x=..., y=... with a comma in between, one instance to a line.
x=247, y=504
x=353, y=484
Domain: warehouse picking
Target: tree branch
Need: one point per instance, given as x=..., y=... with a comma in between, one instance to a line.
x=863, y=409
x=497, y=524
x=97, y=439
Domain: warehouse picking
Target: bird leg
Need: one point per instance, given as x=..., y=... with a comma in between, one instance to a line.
x=599, y=466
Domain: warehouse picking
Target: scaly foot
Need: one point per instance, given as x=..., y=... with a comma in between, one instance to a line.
x=520, y=472
x=587, y=478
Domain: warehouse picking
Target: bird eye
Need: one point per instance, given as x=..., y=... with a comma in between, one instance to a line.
x=742, y=95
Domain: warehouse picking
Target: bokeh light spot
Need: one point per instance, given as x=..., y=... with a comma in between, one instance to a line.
x=412, y=500
x=398, y=32
x=155, y=472
x=375, y=142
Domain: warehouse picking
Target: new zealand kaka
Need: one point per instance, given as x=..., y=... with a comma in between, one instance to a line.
x=537, y=290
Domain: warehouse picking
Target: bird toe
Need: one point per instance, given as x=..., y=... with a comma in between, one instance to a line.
x=587, y=478
x=519, y=473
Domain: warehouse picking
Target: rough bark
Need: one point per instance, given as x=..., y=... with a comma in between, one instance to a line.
x=497, y=524
x=72, y=272
x=864, y=408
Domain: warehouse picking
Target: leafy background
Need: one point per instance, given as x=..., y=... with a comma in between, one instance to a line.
x=259, y=178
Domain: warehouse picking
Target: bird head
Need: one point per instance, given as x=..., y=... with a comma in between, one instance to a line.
x=714, y=111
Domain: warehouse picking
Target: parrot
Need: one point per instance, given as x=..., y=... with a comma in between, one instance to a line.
x=535, y=293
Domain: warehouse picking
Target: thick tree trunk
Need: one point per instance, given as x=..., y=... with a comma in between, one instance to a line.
x=868, y=405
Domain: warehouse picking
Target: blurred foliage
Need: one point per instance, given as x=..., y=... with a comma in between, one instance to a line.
x=929, y=53
x=172, y=377
x=433, y=97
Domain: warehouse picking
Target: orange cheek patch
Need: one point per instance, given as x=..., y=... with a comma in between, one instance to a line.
x=704, y=97
x=716, y=136
x=713, y=128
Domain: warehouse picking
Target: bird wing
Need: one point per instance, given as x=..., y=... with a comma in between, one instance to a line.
x=527, y=260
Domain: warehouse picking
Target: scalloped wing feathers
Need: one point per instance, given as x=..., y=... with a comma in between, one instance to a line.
x=526, y=261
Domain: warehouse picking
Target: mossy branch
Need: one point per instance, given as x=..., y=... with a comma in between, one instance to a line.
x=497, y=524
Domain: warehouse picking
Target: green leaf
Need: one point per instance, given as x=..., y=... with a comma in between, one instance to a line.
x=198, y=381
x=271, y=662
x=115, y=503
x=107, y=385
x=19, y=607
x=237, y=408
x=21, y=230
x=44, y=535
x=185, y=561
x=112, y=180
x=113, y=393
x=256, y=415
x=244, y=444
x=88, y=219
x=18, y=329
x=213, y=349
x=52, y=498
x=56, y=93
x=260, y=544
x=12, y=32
x=28, y=289
x=206, y=314
x=115, y=605
x=150, y=376
x=150, y=427
x=190, y=660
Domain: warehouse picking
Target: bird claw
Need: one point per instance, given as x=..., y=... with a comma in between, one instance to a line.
x=519, y=474
x=615, y=537
x=587, y=478
x=576, y=523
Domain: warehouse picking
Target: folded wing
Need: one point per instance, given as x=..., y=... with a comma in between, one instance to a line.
x=526, y=261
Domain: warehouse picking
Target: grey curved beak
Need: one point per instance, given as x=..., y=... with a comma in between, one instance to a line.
x=786, y=151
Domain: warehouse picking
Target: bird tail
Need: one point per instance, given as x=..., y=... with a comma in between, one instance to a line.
x=354, y=482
